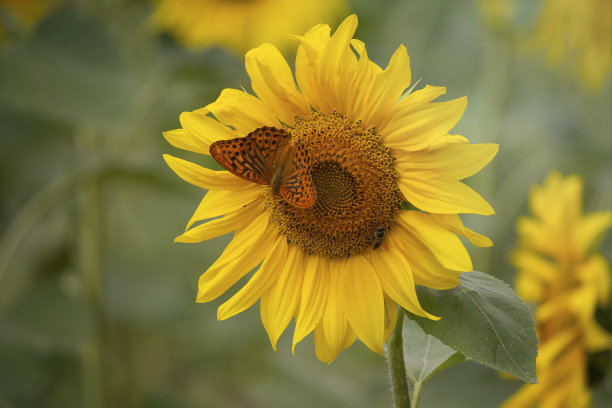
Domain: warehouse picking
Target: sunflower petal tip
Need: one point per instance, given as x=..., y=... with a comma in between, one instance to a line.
x=221, y=315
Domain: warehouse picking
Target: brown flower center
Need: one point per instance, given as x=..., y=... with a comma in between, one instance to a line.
x=357, y=196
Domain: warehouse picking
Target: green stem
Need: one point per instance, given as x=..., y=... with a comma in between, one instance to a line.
x=27, y=217
x=90, y=262
x=397, y=367
x=416, y=394
x=89, y=253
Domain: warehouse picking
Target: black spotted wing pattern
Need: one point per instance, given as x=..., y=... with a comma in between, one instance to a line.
x=297, y=187
x=264, y=155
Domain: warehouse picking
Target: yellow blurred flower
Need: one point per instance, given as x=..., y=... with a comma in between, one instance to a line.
x=341, y=266
x=561, y=272
x=576, y=36
x=578, y=33
x=242, y=24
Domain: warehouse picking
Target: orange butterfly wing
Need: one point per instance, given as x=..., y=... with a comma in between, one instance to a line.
x=273, y=144
x=297, y=187
x=253, y=157
x=259, y=155
x=240, y=157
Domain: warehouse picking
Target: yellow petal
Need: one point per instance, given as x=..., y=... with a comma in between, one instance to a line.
x=453, y=223
x=279, y=304
x=441, y=242
x=322, y=348
x=261, y=281
x=390, y=317
x=441, y=195
x=528, y=288
x=332, y=59
x=396, y=277
x=417, y=129
x=273, y=82
x=387, y=87
x=446, y=140
x=550, y=241
x=242, y=111
x=183, y=140
x=549, y=350
x=248, y=248
x=598, y=339
x=203, y=129
x=535, y=265
x=426, y=269
x=219, y=202
x=364, y=303
x=315, y=291
x=595, y=273
x=326, y=351
x=356, y=91
x=590, y=230
x=334, y=324
x=557, y=199
x=455, y=160
x=307, y=61
x=205, y=178
x=527, y=396
x=230, y=222
x=409, y=103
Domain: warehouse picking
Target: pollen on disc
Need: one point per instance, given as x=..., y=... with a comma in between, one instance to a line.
x=354, y=180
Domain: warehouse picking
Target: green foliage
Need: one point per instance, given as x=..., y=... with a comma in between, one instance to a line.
x=484, y=320
x=424, y=356
x=88, y=93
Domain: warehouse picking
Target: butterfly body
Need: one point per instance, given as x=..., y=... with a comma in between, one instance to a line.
x=277, y=179
x=266, y=156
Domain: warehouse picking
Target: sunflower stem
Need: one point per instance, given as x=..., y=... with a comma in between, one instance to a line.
x=416, y=394
x=397, y=367
x=89, y=252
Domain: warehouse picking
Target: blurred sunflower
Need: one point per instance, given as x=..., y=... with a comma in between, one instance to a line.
x=561, y=272
x=241, y=24
x=580, y=34
x=342, y=266
x=576, y=35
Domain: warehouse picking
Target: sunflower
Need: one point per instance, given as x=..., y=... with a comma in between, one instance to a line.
x=388, y=193
x=241, y=24
x=578, y=33
x=561, y=272
x=576, y=36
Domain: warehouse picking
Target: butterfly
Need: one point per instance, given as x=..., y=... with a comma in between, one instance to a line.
x=266, y=156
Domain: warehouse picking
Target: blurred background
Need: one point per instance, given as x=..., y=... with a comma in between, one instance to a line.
x=96, y=301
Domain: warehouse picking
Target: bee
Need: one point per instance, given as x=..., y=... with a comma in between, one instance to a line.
x=378, y=238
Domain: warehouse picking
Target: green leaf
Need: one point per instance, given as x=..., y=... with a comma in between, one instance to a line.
x=425, y=355
x=485, y=320
x=406, y=206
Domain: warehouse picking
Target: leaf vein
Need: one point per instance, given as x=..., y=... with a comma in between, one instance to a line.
x=425, y=355
x=494, y=331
